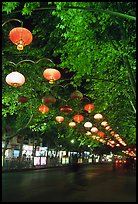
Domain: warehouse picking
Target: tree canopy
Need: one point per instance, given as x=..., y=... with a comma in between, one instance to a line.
x=93, y=45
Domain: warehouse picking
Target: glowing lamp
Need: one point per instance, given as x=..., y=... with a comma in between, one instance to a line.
x=21, y=37
x=104, y=123
x=59, y=119
x=15, y=79
x=88, y=125
x=89, y=107
x=76, y=94
x=51, y=75
x=43, y=109
x=94, y=129
x=72, y=124
x=78, y=118
x=101, y=133
x=98, y=116
x=48, y=99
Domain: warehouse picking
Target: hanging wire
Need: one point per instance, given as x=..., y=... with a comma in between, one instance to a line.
x=13, y=19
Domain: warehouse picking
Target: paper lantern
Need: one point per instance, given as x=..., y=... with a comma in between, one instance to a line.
x=98, y=116
x=43, y=109
x=59, y=119
x=94, y=129
x=15, y=79
x=66, y=109
x=22, y=99
x=72, y=124
x=89, y=107
x=21, y=37
x=48, y=99
x=101, y=133
x=76, y=94
x=51, y=75
x=88, y=125
x=104, y=123
x=78, y=118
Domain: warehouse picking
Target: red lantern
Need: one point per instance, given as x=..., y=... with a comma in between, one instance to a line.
x=76, y=94
x=101, y=134
x=59, y=119
x=21, y=37
x=72, y=124
x=43, y=109
x=48, y=99
x=15, y=79
x=78, y=118
x=66, y=109
x=98, y=116
x=22, y=99
x=89, y=107
x=51, y=75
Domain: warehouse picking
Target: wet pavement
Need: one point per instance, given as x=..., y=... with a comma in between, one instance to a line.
x=92, y=183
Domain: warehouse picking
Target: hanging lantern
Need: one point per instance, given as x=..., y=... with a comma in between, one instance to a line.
x=66, y=109
x=104, y=123
x=107, y=127
x=98, y=116
x=88, y=125
x=59, y=119
x=21, y=37
x=72, y=124
x=22, y=99
x=43, y=109
x=78, y=118
x=48, y=99
x=51, y=75
x=76, y=94
x=112, y=133
x=88, y=133
x=89, y=107
x=94, y=129
x=101, y=133
x=15, y=79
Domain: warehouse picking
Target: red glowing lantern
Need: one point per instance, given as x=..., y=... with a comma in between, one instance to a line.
x=48, y=99
x=78, y=118
x=15, y=79
x=59, y=119
x=51, y=75
x=98, y=116
x=101, y=133
x=66, y=109
x=72, y=124
x=21, y=37
x=76, y=94
x=43, y=109
x=89, y=107
x=22, y=99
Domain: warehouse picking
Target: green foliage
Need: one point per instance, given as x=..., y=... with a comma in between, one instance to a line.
x=90, y=47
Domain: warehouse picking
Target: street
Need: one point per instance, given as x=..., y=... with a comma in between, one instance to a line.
x=93, y=183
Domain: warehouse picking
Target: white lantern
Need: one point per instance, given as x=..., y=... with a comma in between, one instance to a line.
x=15, y=79
x=88, y=125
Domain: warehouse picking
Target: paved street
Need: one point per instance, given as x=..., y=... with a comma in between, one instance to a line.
x=95, y=183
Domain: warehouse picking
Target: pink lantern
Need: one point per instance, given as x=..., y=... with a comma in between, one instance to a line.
x=15, y=79
x=98, y=116
x=72, y=124
x=59, y=119
x=94, y=129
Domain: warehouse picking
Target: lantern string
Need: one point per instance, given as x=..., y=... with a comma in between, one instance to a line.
x=13, y=19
